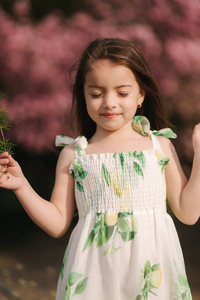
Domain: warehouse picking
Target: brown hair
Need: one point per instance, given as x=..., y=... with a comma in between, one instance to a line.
x=124, y=53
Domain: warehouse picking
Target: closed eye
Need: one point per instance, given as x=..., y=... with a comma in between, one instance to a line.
x=95, y=96
x=123, y=94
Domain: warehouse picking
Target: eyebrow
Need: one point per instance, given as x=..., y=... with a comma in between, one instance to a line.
x=117, y=87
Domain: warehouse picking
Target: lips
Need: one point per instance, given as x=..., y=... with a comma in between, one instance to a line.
x=110, y=115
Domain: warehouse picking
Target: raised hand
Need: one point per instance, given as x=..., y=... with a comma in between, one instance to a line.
x=11, y=176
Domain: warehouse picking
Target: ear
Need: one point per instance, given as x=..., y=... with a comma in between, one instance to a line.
x=141, y=97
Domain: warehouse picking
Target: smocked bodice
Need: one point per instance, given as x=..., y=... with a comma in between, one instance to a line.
x=129, y=181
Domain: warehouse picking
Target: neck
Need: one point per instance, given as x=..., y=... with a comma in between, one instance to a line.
x=113, y=136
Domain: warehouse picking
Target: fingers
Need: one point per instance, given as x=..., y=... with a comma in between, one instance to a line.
x=4, y=154
x=6, y=158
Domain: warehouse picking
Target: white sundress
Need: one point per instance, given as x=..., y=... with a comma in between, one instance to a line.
x=125, y=245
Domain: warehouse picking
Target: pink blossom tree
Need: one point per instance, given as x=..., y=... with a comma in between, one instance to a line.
x=35, y=59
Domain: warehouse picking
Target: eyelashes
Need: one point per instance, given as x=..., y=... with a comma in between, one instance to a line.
x=96, y=96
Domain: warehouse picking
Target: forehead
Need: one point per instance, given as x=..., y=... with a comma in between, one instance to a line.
x=107, y=70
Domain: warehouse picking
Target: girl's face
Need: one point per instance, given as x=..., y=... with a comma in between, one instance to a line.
x=112, y=95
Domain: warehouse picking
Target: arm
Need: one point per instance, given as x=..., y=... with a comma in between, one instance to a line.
x=55, y=216
x=183, y=196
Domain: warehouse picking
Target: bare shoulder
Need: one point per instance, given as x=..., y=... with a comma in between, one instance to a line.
x=66, y=156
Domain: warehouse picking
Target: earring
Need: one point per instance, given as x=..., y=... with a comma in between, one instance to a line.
x=139, y=105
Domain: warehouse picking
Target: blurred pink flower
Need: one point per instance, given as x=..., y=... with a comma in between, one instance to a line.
x=21, y=8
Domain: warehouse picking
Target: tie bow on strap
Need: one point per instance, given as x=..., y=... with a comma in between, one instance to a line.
x=80, y=142
x=142, y=125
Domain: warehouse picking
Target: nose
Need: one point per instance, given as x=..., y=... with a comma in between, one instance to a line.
x=109, y=101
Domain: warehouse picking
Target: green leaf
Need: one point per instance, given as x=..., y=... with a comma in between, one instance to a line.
x=155, y=267
x=128, y=236
x=121, y=156
x=104, y=235
x=140, y=156
x=97, y=226
x=183, y=280
x=67, y=293
x=147, y=268
x=73, y=174
x=79, y=186
x=81, y=286
x=138, y=169
x=132, y=235
x=73, y=277
x=106, y=175
x=152, y=293
x=81, y=172
x=124, y=214
x=62, y=268
x=5, y=144
x=139, y=297
x=123, y=225
x=89, y=240
x=184, y=296
x=106, y=251
x=125, y=236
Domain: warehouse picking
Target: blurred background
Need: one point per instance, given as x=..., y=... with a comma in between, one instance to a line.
x=40, y=41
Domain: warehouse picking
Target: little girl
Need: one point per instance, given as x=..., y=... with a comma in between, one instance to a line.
x=120, y=173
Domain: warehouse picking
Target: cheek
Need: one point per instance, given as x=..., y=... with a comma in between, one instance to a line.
x=91, y=108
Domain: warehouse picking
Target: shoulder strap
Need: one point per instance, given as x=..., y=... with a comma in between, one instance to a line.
x=155, y=142
x=80, y=146
x=78, y=152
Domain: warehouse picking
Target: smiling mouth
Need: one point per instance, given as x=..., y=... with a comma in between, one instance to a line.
x=110, y=116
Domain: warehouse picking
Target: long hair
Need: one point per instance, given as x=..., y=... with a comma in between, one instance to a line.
x=124, y=53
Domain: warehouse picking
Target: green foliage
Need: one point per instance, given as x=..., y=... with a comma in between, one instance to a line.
x=5, y=125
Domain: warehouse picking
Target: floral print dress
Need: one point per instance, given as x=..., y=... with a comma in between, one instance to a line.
x=125, y=245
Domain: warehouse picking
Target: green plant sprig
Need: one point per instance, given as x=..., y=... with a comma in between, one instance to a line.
x=5, y=125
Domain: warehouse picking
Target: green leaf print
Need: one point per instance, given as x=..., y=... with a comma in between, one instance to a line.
x=163, y=163
x=73, y=277
x=121, y=156
x=123, y=225
x=78, y=173
x=139, y=297
x=82, y=173
x=128, y=236
x=62, y=268
x=67, y=293
x=138, y=169
x=147, y=269
x=79, y=186
x=140, y=156
x=124, y=214
x=107, y=226
x=181, y=286
x=155, y=267
x=152, y=277
x=106, y=175
x=97, y=226
x=89, y=240
x=81, y=286
x=104, y=235
x=182, y=280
